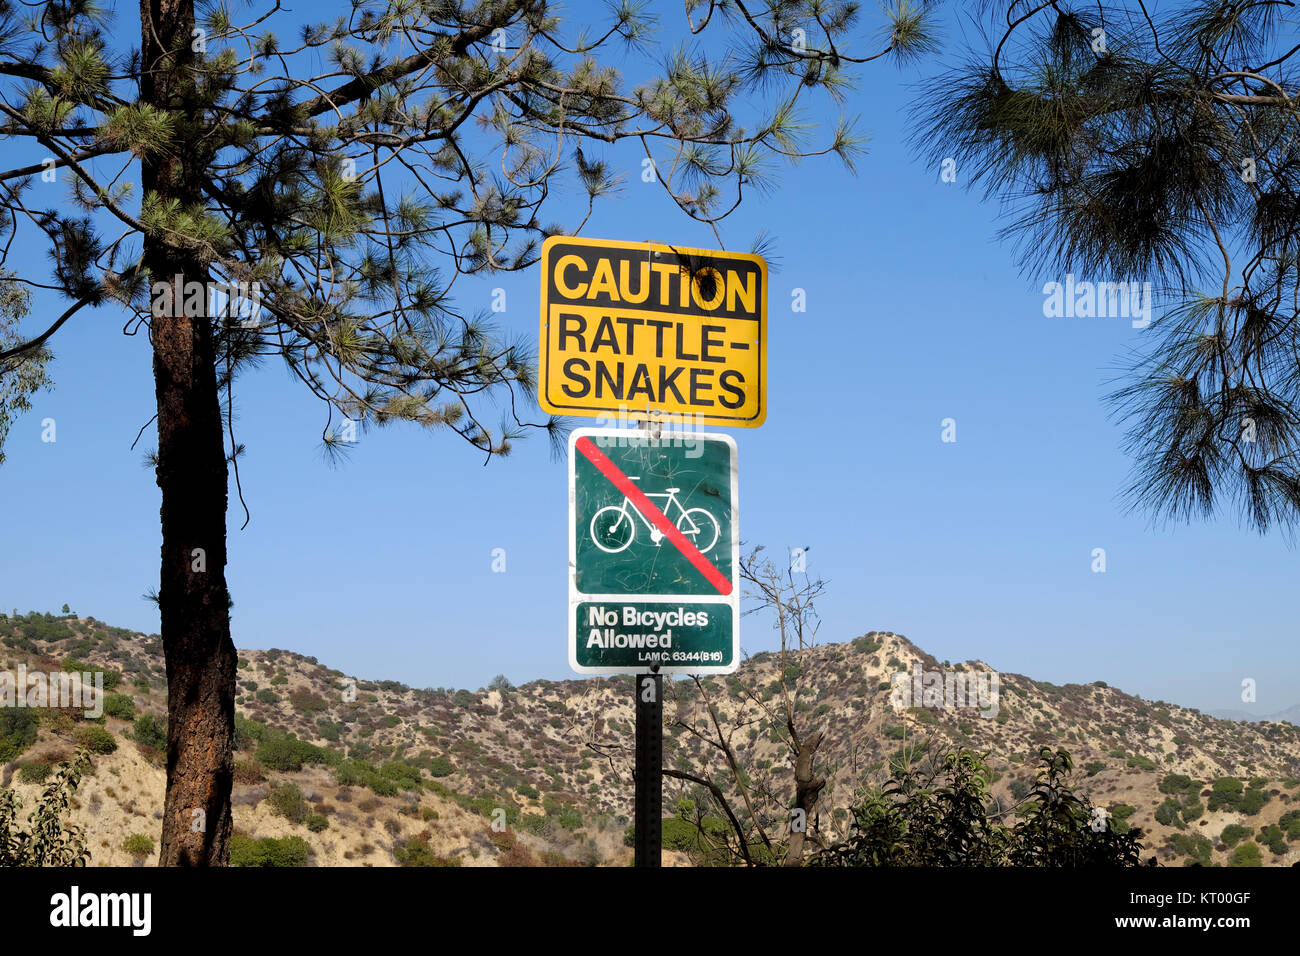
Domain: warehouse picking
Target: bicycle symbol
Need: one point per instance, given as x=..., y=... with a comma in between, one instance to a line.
x=613, y=530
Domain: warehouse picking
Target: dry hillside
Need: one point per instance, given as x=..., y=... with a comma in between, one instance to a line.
x=378, y=773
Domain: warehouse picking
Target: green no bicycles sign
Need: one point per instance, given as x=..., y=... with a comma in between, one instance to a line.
x=654, y=552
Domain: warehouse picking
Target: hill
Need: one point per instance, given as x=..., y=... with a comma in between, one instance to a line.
x=343, y=771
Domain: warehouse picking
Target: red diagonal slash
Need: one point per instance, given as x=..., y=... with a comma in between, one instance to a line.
x=655, y=516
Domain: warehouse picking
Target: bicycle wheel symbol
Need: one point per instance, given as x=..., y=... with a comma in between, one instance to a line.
x=612, y=529
x=700, y=528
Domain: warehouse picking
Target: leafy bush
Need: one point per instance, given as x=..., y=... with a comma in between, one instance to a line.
x=417, y=852
x=1093, y=767
x=1197, y=848
x=287, y=801
x=1247, y=855
x=316, y=822
x=1178, y=783
x=329, y=731
x=35, y=771
x=1170, y=813
x=17, y=732
x=1253, y=800
x=150, y=732
x=440, y=767
x=940, y=817
x=48, y=839
x=285, y=752
x=1273, y=837
x=138, y=844
x=96, y=739
x=268, y=851
x=121, y=706
x=1225, y=792
x=1233, y=834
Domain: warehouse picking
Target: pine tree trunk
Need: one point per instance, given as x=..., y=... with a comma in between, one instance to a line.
x=191, y=472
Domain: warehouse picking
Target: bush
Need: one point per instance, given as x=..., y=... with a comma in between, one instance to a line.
x=316, y=822
x=440, y=767
x=911, y=822
x=1273, y=837
x=138, y=844
x=1252, y=801
x=1233, y=834
x=35, y=771
x=121, y=706
x=1194, y=846
x=49, y=838
x=150, y=732
x=1247, y=855
x=417, y=852
x=1093, y=767
x=17, y=732
x=96, y=739
x=1178, y=783
x=268, y=851
x=287, y=801
x=267, y=696
x=1143, y=763
x=284, y=752
x=1170, y=813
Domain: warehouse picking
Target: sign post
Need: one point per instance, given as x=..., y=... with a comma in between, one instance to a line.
x=660, y=333
x=649, y=814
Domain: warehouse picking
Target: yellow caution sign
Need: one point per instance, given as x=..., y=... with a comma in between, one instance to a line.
x=639, y=328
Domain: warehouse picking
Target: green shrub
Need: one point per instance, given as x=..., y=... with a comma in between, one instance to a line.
x=1178, y=783
x=440, y=767
x=286, y=753
x=527, y=790
x=17, y=731
x=96, y=739
x=138, y=844
x=417, y=852
x=1194, y=846
x=121, y=706
x=1247, y=855
x=1143, y=763
x=1093, y=767
x=316, y=822
x=1170, y=813
x=329, y=731
x=1233, y=834
x=1273, y=837
x=268, y=851
x=1225, y=792
x=1253, y=800
x=267, y=696
x=35, y=771
x=49, y=838
x=287, y=801
x=150, y=731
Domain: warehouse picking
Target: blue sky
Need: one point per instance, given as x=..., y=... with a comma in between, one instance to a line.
x=980, y=548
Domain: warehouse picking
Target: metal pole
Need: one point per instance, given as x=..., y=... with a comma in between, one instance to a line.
x=649, y=769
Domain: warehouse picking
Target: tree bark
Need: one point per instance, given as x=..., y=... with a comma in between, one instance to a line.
x=807, y=789
x=191, y=472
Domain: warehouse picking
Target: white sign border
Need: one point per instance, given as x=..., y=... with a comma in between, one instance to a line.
x=575, y=598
